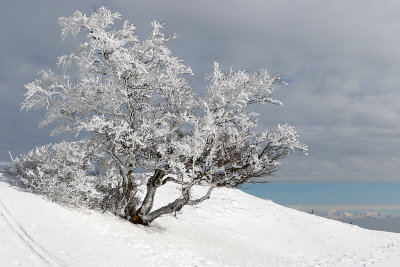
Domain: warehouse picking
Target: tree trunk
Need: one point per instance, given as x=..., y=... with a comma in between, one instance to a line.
x=130, y=194
x=140, y=215
x=145, y=216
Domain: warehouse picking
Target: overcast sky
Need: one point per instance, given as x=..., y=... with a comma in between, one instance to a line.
x=341, y=59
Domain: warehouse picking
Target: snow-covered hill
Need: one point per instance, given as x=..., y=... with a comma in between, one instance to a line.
x=230, y=229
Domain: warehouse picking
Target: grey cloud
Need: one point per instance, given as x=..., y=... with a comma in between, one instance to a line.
x=340, y=57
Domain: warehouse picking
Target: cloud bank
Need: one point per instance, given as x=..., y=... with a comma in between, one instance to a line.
x=339, y=57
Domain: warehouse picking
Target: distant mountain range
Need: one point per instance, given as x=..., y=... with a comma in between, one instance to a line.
x=370, y=219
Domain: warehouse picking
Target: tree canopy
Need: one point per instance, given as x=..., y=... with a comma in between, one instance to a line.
x=135, y=100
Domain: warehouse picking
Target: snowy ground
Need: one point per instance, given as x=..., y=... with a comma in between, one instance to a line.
x=230, y=229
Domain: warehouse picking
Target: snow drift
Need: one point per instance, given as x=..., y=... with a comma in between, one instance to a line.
x=230, y=229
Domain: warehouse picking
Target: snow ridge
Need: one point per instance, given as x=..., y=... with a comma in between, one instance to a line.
x=232, y=228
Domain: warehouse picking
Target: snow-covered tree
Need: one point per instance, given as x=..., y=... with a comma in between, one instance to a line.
x=59, y=171
x=134, y=99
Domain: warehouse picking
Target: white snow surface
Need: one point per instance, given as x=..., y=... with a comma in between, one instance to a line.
x=230, y=229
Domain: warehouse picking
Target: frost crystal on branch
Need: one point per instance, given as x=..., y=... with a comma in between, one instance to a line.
x=135, y=101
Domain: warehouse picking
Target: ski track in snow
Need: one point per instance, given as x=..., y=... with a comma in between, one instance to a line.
x=36, y=252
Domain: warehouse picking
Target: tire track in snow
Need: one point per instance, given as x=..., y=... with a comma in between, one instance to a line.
x=26, y=240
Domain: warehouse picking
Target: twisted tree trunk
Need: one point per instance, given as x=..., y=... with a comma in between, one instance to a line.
x=145, y=216
x=139, y=216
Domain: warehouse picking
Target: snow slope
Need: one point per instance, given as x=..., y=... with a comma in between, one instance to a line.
x=230, y=229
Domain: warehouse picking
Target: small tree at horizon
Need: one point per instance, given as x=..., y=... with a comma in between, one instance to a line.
x=134, y=99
